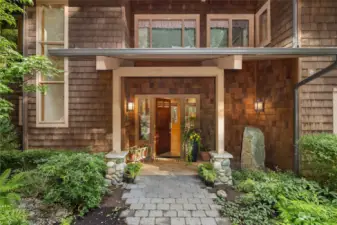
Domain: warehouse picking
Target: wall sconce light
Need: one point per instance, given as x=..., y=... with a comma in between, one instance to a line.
x=131, y=106
x=259, y=105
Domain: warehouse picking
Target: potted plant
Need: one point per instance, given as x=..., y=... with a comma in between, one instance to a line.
x=192, y=143
x=131, y=171
x=204, y=153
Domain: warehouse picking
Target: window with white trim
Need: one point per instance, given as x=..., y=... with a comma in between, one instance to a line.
x=52, y=32
x=230, y=30
x=263, y=25
x=167, y=31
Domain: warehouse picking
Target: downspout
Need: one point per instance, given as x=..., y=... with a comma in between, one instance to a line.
x=296, y=110
x=295, y=24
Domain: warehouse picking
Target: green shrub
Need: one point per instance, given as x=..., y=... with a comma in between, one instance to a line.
x=206, y=172
x=26, y=160
x=75, y=181
x=132, y=169
x=35, y=183
x=8, y=186
x=8, y=135
x=278, y=198
x=319, y=158
x=12, y=216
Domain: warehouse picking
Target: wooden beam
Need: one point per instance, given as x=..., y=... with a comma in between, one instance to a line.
x=229, y=62
x=107, y=63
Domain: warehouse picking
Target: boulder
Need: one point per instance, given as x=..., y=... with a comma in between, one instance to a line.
x=253, y=149
x=221, y=194
x=111, y=164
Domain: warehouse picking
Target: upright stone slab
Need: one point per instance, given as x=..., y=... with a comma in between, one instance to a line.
x=116, y=163
x=221, y=164
x=253, y=149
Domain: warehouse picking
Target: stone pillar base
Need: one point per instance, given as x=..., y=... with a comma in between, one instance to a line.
x=116, y=163
x=221, y=164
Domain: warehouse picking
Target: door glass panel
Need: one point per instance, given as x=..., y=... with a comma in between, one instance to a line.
x=240, y=33
x=144, y=119
x=190, y=112
x=219, y=33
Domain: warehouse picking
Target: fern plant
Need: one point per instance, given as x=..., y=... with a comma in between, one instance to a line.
x=8, y=186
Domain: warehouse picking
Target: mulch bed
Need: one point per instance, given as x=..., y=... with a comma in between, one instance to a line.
x=108, y=213
x=232, y=194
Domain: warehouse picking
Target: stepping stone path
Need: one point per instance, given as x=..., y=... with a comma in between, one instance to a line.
x=166, y=200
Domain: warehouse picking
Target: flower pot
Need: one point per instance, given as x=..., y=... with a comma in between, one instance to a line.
x=205, y=156
x=129, y=180
x=195, y=149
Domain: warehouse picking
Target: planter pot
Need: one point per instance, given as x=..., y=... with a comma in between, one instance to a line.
x=209, y=183
x=129, y=180
x=205, y=156
x=132, y=157
x=195, y=149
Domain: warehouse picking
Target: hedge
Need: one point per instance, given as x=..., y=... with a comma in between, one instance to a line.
x=27, y=160
x=319, y=158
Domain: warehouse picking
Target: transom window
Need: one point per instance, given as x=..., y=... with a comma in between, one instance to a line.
x=166, y=31
x=230, y=30
x=52, y=107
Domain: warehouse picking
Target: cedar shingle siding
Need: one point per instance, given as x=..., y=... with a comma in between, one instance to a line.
x=318, y=29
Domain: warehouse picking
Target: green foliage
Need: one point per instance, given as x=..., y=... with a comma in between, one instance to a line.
x=279, y=198
x=8, y=186
x=35, y=184
x=67, y=221
x=297, y=212
x=27, y=160
x=12, y=216
x=319, y=158
x=8, y=136
x=133, y=169
x=75, y=181
x=206, y=172
x=190, y=136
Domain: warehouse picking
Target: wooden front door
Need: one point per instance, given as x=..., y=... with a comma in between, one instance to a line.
x=163, y=131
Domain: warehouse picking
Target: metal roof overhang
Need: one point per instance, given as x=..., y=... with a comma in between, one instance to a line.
x=195, y=53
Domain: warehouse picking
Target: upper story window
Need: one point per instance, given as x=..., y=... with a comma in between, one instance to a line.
x=52, y=32
x=263, y=25
x=166, y=31
x=230, y=30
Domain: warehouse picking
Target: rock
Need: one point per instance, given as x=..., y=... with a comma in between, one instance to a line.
x=111, y=171
x=120, y=167
x=217, y=165
x=107, y=182
x=253, y=149
x=111, y=164
x=109, y=177
x=221, y=194
x=61, y=213
x=226, y=163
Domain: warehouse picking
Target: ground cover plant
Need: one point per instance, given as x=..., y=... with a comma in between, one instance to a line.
x=279, y=198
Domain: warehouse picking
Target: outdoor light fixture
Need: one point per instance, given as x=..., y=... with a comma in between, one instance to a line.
x=131, y=106
x=259, y=105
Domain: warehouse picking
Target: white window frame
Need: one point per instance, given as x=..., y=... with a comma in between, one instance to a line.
x=230, y=18
x=39, y=122
x=265, y=7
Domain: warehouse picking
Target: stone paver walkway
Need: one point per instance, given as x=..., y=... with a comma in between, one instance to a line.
x=170, y=199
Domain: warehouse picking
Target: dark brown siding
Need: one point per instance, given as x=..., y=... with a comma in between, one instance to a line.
x=271, y=81
x=318, y=29
x=281, y=23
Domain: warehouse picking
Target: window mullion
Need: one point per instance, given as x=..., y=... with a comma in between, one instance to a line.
x=230, y=32
x=150, y=38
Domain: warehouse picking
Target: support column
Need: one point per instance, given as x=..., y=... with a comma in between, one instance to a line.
x=220, y=113
x=116, y=114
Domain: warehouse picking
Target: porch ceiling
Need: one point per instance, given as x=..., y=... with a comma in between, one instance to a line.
x=195, y=53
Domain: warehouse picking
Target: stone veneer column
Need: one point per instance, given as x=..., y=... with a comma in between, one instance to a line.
x=116, y=163
x=221, y=164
